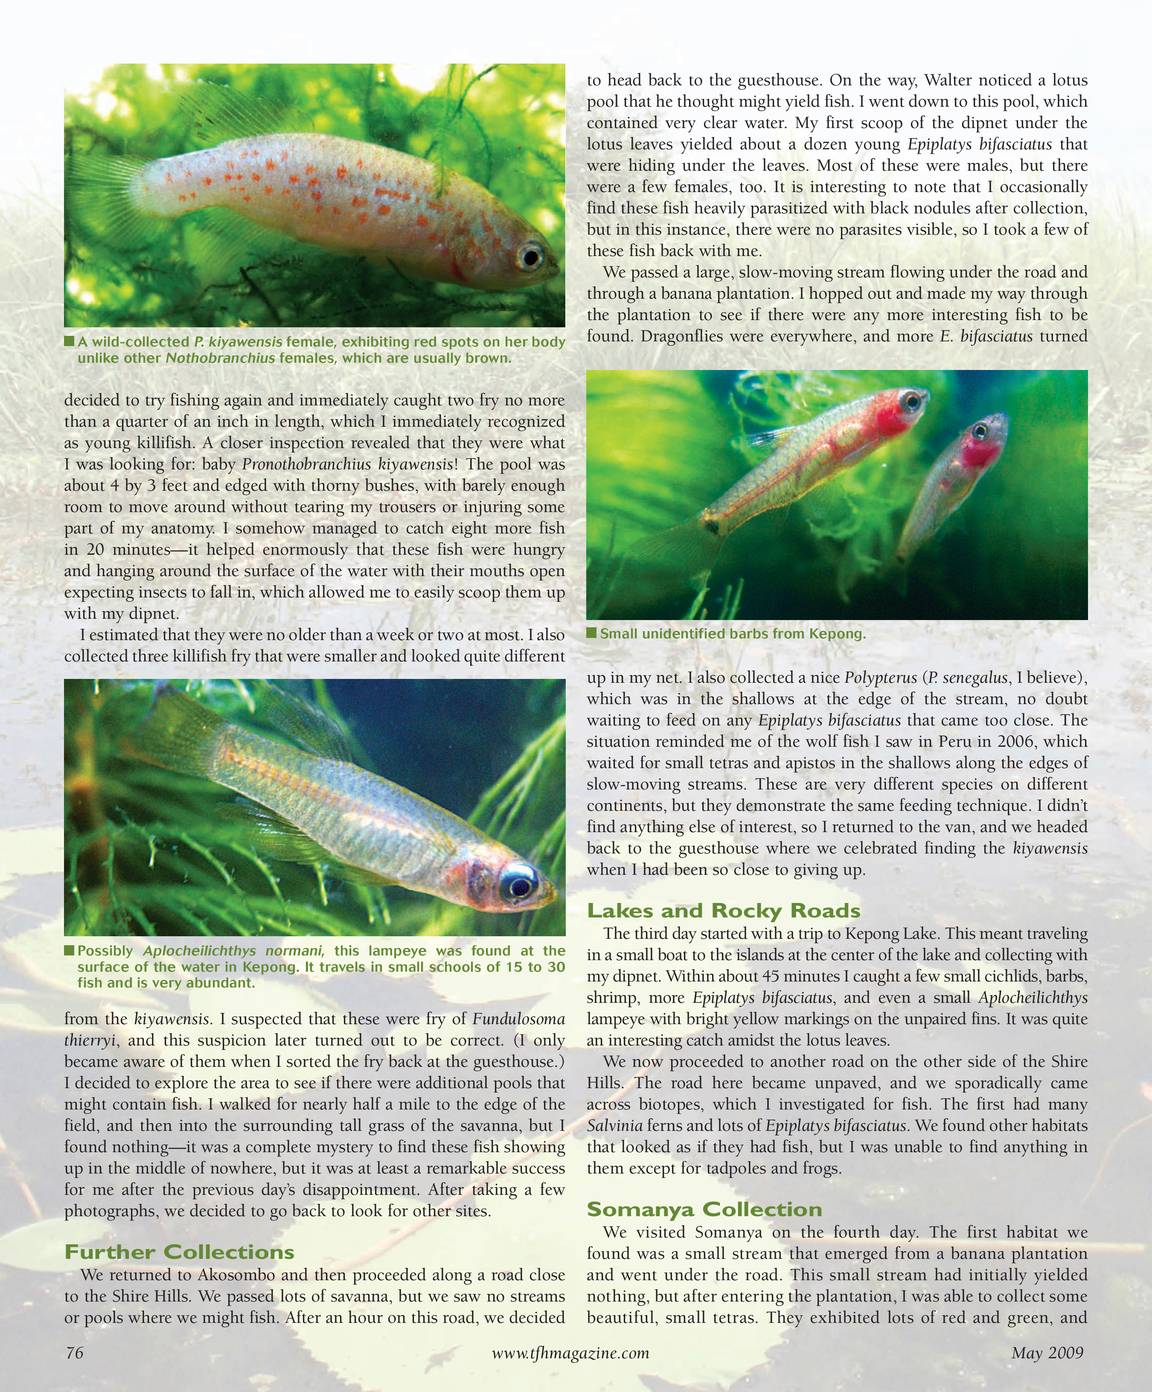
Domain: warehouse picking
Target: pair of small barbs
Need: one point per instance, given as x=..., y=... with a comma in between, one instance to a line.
x=804, y=456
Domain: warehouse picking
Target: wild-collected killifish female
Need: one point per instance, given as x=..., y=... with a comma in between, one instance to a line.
x=950, y=480
x=802, y=458
x=330, y=809
x=348, y=196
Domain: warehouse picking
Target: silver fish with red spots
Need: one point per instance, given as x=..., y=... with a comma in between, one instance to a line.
x=348, y=196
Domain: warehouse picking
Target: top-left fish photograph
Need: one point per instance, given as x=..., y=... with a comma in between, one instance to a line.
x=318, y=195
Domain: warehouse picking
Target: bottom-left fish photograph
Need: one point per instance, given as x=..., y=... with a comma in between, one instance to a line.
x=256, y=808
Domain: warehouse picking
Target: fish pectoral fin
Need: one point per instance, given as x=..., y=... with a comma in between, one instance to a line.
x=354, y=874
x=267, y=834
x=774, y=438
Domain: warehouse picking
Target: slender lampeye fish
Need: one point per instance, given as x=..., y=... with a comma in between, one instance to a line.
x=348, y=196
x=950, y=480
x=802, y=458
x=327, y=809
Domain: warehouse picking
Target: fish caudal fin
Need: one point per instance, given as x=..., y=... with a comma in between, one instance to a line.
x=682, y=555
x=106, y=188
x=180, y=734
x=661, y=567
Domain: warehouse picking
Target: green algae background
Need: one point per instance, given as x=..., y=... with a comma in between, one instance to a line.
x=502, y=125
x=663, y=445
x=154, y=853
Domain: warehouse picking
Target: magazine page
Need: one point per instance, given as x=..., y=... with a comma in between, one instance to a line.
x=575, y=701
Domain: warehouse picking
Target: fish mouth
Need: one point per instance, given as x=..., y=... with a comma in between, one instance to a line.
x=546, y=894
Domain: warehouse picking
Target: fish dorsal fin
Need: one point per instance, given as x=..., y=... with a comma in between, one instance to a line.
x=216, y=113
x=764, y=437
x=302, y=722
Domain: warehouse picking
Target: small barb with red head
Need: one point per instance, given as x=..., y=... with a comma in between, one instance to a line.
x=984, y=442
x=898, y=410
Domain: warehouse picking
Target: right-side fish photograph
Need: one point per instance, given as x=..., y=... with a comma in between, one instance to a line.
x=837, y=495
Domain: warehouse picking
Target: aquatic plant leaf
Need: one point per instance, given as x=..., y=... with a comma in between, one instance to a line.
x=40, y=1246
x=19, y=1010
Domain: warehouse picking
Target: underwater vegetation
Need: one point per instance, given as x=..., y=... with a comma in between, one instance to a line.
x=500, y=127
x=153, y=851
x=664, y=447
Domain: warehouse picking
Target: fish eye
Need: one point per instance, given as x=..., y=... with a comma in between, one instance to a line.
x=979, y=431
x=518, y=882
x=530, y=256
x=911, y=401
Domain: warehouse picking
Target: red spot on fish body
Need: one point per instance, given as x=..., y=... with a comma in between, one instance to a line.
x=341, y=172
x=293, y=178
x=313, y=182
x=421, y=220
x=256, y=178
x=382, y=209
x=270, y=164
x=363, y=217
x=309, y=169
x=207, y=181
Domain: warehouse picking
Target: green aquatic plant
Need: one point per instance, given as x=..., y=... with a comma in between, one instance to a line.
x=151, y=852
x=502, y=126
x=656, y=442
